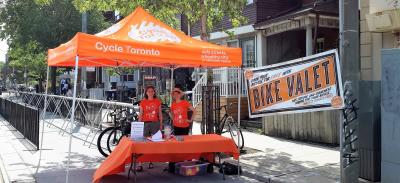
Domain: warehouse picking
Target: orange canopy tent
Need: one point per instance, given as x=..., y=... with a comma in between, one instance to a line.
x=142, y=40
x=139, y=40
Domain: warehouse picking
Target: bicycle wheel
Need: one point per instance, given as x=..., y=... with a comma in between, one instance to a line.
x=102, y=141
x=113, y=138
x=235, y=132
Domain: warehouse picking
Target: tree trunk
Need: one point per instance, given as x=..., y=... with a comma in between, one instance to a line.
x=204, y=37
x=209, y=108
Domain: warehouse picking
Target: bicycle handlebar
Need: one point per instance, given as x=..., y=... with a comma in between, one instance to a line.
x=225, y=106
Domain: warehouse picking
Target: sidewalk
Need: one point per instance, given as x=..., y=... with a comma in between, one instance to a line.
x=272, y=160
x=20, y=161
x=280, y=160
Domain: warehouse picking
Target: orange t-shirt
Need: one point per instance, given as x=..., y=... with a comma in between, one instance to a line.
x=150, y=110
x=179, y=111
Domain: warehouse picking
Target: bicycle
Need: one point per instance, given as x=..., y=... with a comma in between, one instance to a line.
x=122, y=123
x=111, y=136
x=227, y=124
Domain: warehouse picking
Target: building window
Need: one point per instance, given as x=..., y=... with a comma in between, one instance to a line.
x=248, y=51
x=130, y=77
x=127, y=77
x=320, y=45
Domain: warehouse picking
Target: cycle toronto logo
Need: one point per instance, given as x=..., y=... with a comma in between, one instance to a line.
x=149, y=32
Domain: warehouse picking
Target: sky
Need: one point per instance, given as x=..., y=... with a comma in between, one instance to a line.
x=3, y=50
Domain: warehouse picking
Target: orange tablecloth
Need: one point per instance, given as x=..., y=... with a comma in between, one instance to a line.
x=193, y=147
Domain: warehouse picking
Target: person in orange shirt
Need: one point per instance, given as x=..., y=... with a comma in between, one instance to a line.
x=179, y=112
x=151, y=114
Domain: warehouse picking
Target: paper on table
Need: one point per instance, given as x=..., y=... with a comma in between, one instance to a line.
x=157, y=137
x=137, y=130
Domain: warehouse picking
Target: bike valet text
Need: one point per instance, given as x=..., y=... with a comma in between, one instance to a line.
x=308, y=80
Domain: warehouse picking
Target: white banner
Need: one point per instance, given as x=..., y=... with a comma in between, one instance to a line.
x=307, y=84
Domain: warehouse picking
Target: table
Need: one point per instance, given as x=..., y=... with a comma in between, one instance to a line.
x=192, y=147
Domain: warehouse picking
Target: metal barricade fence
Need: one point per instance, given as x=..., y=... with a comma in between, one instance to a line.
x=93, y=114
x=23, y=118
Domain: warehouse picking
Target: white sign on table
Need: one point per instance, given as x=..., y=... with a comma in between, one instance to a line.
x=137, y=129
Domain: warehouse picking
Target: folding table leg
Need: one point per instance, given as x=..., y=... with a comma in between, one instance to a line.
x=221, y=165
x=223, y=172
x=133, y=165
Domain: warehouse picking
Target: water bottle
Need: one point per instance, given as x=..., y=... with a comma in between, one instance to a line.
x=167, y=132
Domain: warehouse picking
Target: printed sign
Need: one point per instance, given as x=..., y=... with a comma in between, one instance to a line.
x=137, y=129
x=307, y=84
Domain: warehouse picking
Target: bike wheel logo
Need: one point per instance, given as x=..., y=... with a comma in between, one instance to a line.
x=149, y=32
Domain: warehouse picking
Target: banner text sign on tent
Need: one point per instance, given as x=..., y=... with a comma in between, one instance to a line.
x=307, y=84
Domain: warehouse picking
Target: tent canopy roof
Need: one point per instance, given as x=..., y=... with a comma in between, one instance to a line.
x=140, y=40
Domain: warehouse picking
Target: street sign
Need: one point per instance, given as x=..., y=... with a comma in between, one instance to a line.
x=306, y=84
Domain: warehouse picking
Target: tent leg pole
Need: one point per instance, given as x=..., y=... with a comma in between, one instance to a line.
x=43, y=118
x=72, y=117
x=239, y=112
x=172, y=84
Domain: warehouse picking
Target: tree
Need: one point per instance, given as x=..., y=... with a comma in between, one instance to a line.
x=30, y=58
x=213, y=11
x=32, y=29
x=2, y=74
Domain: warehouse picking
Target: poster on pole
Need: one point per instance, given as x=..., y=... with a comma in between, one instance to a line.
x=306, y=84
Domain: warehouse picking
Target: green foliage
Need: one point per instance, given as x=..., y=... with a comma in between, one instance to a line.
x=1, y=72
x=114, y=71
x=29, y=57
x=167, y=10
x=31, y=29
x=50, y=25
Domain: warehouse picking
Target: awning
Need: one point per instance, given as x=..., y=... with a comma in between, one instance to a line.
x=140, y=40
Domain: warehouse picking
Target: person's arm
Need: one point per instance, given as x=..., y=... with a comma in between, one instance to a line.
x=140, y=113
x=171, y=115
x=193, y=112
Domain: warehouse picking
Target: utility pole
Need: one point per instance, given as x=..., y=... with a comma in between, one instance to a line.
x=83, y=69
x=349, y=50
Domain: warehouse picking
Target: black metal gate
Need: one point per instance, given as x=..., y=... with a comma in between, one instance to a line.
x=210, y=109
x=23, y=118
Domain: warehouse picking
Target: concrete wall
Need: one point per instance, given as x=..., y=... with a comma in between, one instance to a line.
x=372, y=66
x=371, y=45
x=390, y=116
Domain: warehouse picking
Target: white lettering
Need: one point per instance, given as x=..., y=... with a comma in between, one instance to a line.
x=141, y=51
x=109, y=48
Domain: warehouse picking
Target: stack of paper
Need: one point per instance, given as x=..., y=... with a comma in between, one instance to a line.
x=157, y=137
